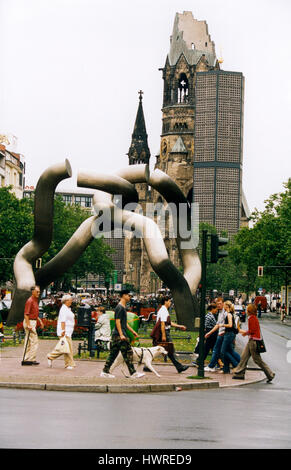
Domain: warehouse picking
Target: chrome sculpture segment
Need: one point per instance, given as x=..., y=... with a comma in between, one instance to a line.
x=186, y=244
x=112, y=184
x=106, y=205
x=42, y=236
x=182, y=287
x=68, y=255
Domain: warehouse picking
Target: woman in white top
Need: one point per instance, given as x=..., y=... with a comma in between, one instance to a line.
x=166, y=323
x=65, y=327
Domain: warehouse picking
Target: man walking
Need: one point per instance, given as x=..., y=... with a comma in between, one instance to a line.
x=120, y=342
x=164, y=317
x=31, y=312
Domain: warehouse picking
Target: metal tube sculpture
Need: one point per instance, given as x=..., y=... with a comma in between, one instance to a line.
x=189, y=256
x=68, y=255
x=181, y=287
x=120, y=184
x=42, y=237
x=83, y=236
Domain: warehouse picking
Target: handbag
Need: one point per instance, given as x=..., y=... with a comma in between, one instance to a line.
x=169, y=347
x=260, y=346
x=63, y=346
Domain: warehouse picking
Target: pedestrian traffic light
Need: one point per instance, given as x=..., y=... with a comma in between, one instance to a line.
x=260, y=271
x=216, y=242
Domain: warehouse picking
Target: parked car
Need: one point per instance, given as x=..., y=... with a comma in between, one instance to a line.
x=240, y=312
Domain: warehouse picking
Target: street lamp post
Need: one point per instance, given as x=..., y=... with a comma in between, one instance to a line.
x=202, y=305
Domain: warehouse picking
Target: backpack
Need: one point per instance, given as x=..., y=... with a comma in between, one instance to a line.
x=234, y=324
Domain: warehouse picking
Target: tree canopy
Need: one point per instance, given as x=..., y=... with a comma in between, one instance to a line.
x=16, y=229
x=16, y=223
x=266, y=243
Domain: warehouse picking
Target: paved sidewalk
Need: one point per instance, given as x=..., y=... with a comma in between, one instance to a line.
x=85, y=377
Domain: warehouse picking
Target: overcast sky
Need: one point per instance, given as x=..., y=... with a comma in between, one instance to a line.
x=71, y=71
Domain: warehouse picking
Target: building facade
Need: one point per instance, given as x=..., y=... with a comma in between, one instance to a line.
x=218, y=137
x=12, y=170
x=201, y=141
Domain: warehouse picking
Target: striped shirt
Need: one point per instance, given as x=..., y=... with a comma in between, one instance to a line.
x=221, y=318
x=210, y=321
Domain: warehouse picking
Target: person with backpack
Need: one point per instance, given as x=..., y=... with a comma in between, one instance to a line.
x=227, y=352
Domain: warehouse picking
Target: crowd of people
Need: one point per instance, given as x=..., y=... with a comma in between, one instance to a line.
x=221, y=329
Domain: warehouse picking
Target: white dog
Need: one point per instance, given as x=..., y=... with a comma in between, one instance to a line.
x=141, y=356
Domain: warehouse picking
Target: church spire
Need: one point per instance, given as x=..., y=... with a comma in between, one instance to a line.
x=139, y=151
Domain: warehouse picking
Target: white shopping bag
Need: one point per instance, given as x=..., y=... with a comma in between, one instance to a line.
x=63, y=346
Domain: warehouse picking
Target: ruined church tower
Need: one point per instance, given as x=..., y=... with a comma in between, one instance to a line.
x=191, y=51
x=201, y=141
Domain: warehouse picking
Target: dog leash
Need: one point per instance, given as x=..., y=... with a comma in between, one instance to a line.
x=139, y=357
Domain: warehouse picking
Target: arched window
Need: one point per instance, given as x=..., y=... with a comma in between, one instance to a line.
x=183, y=89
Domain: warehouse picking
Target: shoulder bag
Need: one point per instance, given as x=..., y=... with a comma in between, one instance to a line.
x=261, y=348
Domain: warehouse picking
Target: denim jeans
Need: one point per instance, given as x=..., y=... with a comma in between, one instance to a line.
x=216, y=351
x=228, y=355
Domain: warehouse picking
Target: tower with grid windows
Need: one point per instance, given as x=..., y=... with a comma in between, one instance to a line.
x=218, y=137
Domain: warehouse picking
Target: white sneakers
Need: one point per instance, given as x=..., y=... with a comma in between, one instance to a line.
x=50, y=364
x=105, y=375
x=137, y=375
x=209, y=369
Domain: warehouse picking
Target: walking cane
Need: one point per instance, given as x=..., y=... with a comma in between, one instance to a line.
x=23, y=362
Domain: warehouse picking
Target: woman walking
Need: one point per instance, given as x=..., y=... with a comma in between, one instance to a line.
x=254, y=333
x=227, y=352
x=65, y=328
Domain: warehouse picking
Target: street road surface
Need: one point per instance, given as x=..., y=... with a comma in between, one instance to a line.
x=253, y=416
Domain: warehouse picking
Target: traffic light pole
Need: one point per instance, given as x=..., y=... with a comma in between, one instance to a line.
x=202, y=305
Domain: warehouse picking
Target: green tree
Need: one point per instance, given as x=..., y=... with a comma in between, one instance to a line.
x=16, y=223
x=267, y=243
